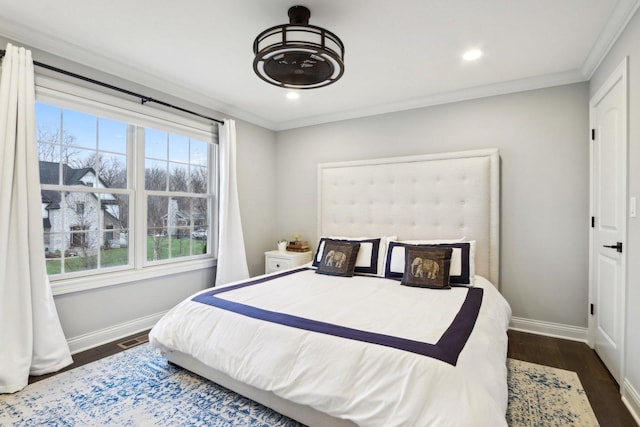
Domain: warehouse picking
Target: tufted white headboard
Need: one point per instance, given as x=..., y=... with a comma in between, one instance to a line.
x=436, y=196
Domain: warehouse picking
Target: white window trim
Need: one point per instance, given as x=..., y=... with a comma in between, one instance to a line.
x=66, y=94
x=71, y=96
x=77, y=284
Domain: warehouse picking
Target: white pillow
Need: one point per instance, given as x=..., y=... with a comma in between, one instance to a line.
x=461, y=272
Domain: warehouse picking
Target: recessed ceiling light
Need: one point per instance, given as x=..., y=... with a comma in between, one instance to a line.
x=472, y=55
x=293, y=95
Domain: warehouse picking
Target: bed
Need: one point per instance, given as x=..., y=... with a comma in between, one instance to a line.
x=335, y=350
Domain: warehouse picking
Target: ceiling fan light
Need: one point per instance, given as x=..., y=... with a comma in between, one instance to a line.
x=298, y=55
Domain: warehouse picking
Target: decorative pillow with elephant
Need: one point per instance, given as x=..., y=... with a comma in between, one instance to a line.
x=371, y=256
x=338, y=258
x=427, y=267
x=462, y=264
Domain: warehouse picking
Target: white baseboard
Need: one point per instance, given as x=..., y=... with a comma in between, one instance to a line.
x=112, y=333
x=631, y=399
x=556, y=330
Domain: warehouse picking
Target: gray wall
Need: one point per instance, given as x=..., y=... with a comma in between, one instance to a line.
x=542, y=136
x=627, y=45
x=87, y=316
x=257, y=190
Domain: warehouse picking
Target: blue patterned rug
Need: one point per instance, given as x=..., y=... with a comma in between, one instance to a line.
x=139, y=388
x=544, y=396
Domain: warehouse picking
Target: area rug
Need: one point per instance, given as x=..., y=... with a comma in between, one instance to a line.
x=138, y=387
x=544, y=396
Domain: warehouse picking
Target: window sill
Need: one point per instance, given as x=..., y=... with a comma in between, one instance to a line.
x=77, y=284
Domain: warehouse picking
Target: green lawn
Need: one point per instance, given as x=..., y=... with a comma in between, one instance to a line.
x=120, y=256
x=179, y=247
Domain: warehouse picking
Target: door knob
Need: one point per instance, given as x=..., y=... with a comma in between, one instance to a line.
x=617, y=246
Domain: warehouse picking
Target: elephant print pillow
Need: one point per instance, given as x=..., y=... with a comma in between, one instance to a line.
x=338, y=258
x=427, y=267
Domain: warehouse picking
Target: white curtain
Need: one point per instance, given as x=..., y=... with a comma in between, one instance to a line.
x=232, y=259
x=31, y=338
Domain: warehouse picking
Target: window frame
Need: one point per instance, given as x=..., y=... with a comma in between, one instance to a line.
x=66, y=95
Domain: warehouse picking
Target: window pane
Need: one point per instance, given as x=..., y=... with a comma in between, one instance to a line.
x=114, y=213
x=83, y=250
x=82, y=211
x=155, y=175
x=179, y=217
x=179, y=148
x=79, y=129
x=115, y=250
x=79, y=168
x=122, y=201
x=54, y=265
x=53, y=244
x=112, y=136
x=48, y=134
x=157, y=236
x=49, y=153
x=112, y=170
x=181, y=244
x=48, y=121
x=198, y=181
x=178, y=179
x=155, y=144
x=200, y=219
x=157, y=209
x=199, y=153
x=49, y=173
x=200, y=213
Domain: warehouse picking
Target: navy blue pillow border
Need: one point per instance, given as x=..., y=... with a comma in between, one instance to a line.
x=447, y=349
x=374, y=254
x=462, y=279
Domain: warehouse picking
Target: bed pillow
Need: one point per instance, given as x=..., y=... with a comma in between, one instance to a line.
x=427, y=267
x=462, y=265
x=371, y=256
x=338, y=258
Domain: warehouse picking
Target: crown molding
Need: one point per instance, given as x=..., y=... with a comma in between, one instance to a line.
x=467, y=94
x=620, y=17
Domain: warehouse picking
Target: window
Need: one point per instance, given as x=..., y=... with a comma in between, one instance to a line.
x=122, y=191
x=175, y=181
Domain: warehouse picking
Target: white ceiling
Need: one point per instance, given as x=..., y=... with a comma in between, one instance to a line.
x=398, y=54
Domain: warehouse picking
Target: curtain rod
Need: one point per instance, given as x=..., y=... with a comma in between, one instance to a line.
x=143, y=99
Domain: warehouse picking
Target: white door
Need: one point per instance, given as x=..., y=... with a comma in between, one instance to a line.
x=609, y=218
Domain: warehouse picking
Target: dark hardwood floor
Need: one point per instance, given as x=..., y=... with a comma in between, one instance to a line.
x=91, y=355
x=602, y=390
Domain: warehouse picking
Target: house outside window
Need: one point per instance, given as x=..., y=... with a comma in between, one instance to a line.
x=121, y=191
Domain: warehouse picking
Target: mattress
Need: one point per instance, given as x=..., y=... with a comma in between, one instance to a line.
x=363, y=349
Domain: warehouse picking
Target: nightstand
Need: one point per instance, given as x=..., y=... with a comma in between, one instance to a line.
x=277, y=260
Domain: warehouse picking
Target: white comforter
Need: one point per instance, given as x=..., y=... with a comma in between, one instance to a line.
x=370, y=384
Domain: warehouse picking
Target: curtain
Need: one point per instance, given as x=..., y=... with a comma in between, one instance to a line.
x=31, y=337
x=232, y=259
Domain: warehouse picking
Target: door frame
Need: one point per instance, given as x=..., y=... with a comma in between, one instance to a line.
x=620, y=73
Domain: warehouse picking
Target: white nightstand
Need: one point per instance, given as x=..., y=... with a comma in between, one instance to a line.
x=277, y=261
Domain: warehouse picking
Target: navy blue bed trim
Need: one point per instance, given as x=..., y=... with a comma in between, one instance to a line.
x=447, y=349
